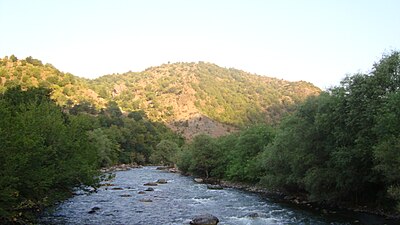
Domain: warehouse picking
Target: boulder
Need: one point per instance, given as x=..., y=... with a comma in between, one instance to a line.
x=149, y=189
x=150, y=184
x=198, y=180
x=94, y=209
x=205, y=219
x=173, y=170
x=141, y=192
x=214, y=186
x=161, y=181
x=117, y=188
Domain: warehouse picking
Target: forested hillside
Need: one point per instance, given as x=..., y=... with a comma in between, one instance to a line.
x=190, y=98
x=67, y=89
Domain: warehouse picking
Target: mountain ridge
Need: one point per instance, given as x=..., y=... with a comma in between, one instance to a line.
x=191, y=98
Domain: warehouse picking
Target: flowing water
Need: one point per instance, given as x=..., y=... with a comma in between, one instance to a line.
x=176, y=202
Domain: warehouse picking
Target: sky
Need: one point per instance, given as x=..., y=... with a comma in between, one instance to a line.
x=318, y=41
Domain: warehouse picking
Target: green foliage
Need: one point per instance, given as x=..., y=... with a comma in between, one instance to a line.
x=13, y=58
x=40, y=162
x=32, y=73
x=165, y=153
x=46, y=152
x=341, y=147
x=232, y=157
x=243, y=154
x=201, y=157
x=107, y=148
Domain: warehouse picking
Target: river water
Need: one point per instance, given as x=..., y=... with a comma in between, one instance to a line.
x=176, y=202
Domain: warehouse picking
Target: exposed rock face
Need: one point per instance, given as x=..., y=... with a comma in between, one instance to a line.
x=205, y=219
x=197, y=123
x=118, y=89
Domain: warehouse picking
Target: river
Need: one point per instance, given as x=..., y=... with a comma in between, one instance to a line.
x=176, y=202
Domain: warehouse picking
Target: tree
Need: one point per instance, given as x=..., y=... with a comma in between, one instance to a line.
x=13, y=58
x=205, y=155
x=165, y=153
x=107, y=148
x=242, y=158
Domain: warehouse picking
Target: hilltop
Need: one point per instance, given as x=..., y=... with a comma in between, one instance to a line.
x=190, y=98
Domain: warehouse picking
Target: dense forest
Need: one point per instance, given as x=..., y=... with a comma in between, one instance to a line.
x=339, y=148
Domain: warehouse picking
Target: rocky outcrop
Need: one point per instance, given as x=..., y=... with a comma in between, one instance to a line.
x=205, y=219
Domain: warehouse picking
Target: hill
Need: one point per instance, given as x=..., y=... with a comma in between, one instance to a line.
x=190, y=98
x=67, y=88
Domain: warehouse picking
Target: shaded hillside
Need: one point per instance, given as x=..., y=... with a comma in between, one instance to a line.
x=203, y=97
x=190, y=98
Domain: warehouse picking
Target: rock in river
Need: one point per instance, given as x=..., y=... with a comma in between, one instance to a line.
x=205, y=219
x=125, y=195
x=198, y=180
x=161, y=181
x=149, y=189
x=214, y=186
x=94, y=209
x=150, y=184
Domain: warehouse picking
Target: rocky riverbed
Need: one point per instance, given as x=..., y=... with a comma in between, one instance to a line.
x=175, y=199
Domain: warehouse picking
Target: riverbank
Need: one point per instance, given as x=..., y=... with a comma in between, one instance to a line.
x=378, y=215
x=301, y=201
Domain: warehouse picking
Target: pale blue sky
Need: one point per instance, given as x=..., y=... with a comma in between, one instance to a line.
x=318, y=41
